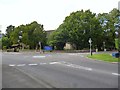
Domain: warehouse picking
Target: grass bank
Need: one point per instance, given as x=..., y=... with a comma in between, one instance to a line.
x=104, y=57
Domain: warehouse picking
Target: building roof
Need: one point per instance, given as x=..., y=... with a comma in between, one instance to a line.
x=49, y=32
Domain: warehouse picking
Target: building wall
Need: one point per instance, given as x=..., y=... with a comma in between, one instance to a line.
x=68, y=46
x=49, y=32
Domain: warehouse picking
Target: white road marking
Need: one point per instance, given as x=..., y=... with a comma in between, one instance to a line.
x=12, y=53
x=12, y=65
x=39, y=56
x=76, y=54
x=32, y=64
x=89, y=69
x=72, y=54
x=78, y=67
x=54, y=63
x=71, y=65
x=116, y=74
x=21, y=64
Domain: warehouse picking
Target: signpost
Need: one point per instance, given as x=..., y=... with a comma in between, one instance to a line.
x=90, y=41
x=40, y=46
x=104, y=46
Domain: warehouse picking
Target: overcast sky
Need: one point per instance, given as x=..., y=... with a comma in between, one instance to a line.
x=50, y=13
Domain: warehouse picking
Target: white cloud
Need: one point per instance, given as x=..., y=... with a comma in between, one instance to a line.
x=50, y=13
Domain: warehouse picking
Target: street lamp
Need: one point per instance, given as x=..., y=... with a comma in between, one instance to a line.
x=90, y=41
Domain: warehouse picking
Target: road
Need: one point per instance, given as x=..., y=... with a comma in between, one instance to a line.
x=56, y=70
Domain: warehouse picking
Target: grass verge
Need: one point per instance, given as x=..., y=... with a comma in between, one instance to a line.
x=104, y=57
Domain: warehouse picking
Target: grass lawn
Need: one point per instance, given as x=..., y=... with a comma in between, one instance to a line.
x=103, y=57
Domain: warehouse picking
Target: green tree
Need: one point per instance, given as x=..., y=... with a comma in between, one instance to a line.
x=108, y=28
x=59, y=37
x=5, y=42
x=9, y=29
x=31, y=34
x=77, y=29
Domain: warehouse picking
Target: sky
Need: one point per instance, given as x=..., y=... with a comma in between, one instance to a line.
x=50, y=13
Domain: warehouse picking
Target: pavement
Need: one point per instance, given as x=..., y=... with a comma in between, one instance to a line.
x=56, y=70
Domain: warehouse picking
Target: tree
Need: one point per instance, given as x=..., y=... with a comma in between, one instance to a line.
x=31, y=34
x=39, y=35
x=5, y=42
x=9, y=29
x=59, y=37
x=77, y=29
x=107, y=21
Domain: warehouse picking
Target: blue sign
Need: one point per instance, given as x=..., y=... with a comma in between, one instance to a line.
x=48, y=48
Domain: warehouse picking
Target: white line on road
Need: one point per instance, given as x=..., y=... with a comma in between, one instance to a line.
x=12, y=65
x=39, y=56
x=76, y=54
x=54, y=63
x=21, y=64
x=78, y=67
x=12, y=53
x=32, y=64
x=71, y=65
x=116, y=74
x=72, y=54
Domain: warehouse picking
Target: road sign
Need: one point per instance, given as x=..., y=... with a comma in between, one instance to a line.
x=90, y=40
x=39, y=43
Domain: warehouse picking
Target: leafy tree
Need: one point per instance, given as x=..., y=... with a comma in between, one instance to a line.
x=108, y=28
x=5, y=42
x=31, y=34
x=39, y=34
x=77, y=29
x=9, y=29
x=59, y=37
